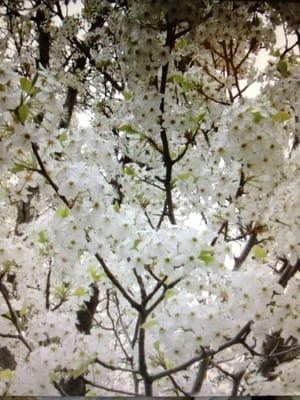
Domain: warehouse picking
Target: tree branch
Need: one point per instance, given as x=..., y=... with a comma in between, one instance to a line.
x=117, y=284
x=170, y=40
x=238, y=261
x=108, y=389
x=45, y=174
x=114, y=368
x=13, y=316
x=201, y=375
x=162, y=296
x=180, y=367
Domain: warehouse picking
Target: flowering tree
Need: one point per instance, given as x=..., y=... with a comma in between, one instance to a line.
x=155, y=251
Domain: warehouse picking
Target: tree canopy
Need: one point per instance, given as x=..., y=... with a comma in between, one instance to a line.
x=153, y=250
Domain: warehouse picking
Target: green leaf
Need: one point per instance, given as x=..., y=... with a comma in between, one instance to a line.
x=136, y=243
x=6, y=374
x=80, y=292
x=23, y=112
x=101, y=105
x=169, y=364
x=128, y=128
x=2, y=88
x=275, y=53
x=91, y=393
x=127, y=95
x=61, y=291
x=92, y=270
x=184, y=84
x=170, y=293
x=281, y=116
x=259, y=252
x=62, y=138
x=149, y=324
x=24, y=310
x=156, y=345
x=178, y=78
x=282, y=67
x=34, y=91
x=199, y=118
x=63, y=213
x=129, y=171
x=187, y=85
x=26, y=85
x=143, y=201
x=181, y=43
x=257, y=117
x=207, y=256
x=42, y=237
x=185, y=176
x=117, y=207
x=53, y=376
x=81, y=370
x=18, y=168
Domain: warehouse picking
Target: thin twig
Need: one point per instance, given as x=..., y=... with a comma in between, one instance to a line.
x=162, y=296
x=201, y=375
x=238, y=261
x=46, y=175
x=13, y=316
x=114, y=368
x=116, y=283
x=88, y=382
x=180, y=367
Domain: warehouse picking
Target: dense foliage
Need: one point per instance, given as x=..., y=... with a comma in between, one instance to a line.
x=155, y=250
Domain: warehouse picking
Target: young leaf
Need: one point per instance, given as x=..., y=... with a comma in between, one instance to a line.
x=206, y=256
x=18, y=168
x=281, y=116
x=129, y=171
x=61, y=291
x=62, y=213
x=95, y=275
x=136, y=243
x=23, y=112
x=24, y=310
x=128, y=128
x=170, y=293
x=199, y=118
x=178, y=78
x=181, y=43
x=6, y=374
x=91, y=393
x=26, y=85
x=117, y=207
x=257, y=117
x=42, y=237
x=127, y=95
x=282, y=67
x=149, y=324
x=156, y=345
x=81, y=370
x=259, y=252
x=62, y=138
x=184, y=177
x=80, y=292
x=169, y=364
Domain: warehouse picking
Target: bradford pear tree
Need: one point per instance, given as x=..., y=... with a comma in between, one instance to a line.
x=155, y=250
